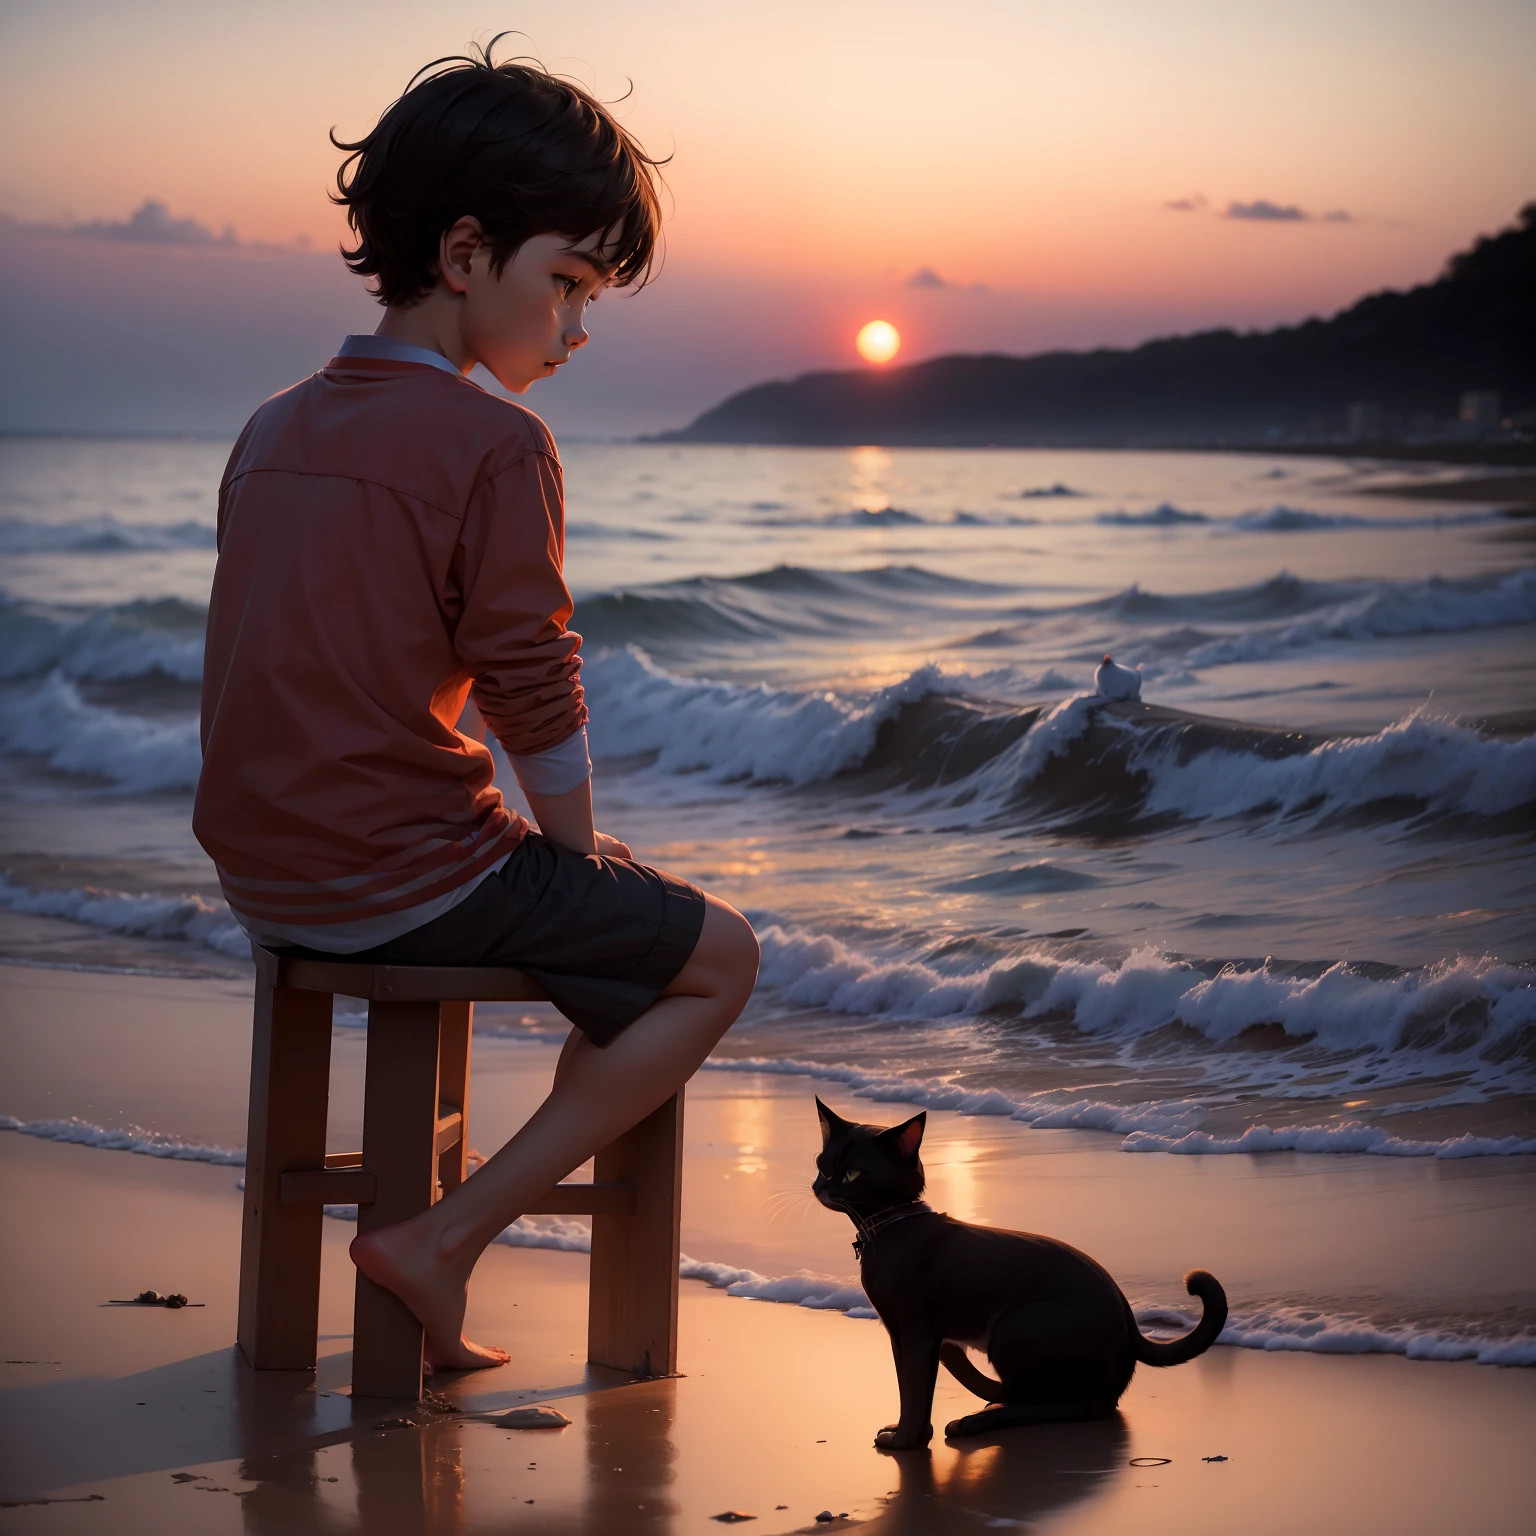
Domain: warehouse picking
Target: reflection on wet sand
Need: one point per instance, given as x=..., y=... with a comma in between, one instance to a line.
x=631, y=1459
x=1015, y=1478
x=442, y=1478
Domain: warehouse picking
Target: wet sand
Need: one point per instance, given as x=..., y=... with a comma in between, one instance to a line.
x=777, y=1404
x=1516, y=491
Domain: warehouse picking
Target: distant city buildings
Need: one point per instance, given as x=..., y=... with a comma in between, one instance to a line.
x=1479, y=414
x=1480, y=410
x=1364, y=418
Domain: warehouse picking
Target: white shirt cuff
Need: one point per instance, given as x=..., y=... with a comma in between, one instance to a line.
x=556, y=770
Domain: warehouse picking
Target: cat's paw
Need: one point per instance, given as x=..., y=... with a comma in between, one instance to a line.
x=894, y=1438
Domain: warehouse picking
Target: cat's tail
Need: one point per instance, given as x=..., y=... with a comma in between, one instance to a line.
x=959, y=1365
x=1207, y=1287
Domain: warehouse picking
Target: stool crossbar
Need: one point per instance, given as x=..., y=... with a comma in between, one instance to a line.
x=415, y=1145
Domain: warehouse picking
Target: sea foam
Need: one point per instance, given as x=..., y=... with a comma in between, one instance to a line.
x=146, y=915
x=1351, y=1137
x=1469, y=1004
x=135, y=752
x=131, y=1138
x=1438, y=764
x=735, y=732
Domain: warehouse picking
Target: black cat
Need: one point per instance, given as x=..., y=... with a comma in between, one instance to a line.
x=1056, y=1327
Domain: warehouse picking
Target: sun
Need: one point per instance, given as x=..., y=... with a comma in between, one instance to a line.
x=878, y=342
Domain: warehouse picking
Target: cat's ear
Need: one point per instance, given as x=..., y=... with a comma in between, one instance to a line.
x=829, y=1122
x=906, y=1138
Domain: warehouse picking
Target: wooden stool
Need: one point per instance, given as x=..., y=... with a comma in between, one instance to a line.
x=415, y=1139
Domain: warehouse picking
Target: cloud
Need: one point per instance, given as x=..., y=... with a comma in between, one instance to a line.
x=1185, y=204
x=926, y=277
x=1261, y=208
x=149, y=224
x=1338, y=216
x=152, y=224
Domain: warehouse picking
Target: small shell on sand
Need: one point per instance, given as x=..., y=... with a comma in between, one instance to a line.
x=532, y=1418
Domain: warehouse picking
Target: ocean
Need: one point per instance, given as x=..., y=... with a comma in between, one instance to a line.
x=1286, y=904
x=1289, y=900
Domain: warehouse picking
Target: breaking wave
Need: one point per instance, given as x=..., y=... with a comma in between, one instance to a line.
x=735, y=732
x=102, y=644
x=139, y=753
x=1466, y=1010
x=146, y=915
x=923, y=732
x=1435, y=765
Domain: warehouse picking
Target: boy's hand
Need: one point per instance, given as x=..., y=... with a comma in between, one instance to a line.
x=611, y=847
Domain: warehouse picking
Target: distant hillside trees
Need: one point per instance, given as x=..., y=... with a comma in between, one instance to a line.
x=1409, y=355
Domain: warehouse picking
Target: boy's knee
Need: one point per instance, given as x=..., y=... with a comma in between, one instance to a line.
x=746, y=950
x=733, y=944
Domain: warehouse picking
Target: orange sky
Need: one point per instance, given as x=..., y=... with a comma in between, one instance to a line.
x=824, y=151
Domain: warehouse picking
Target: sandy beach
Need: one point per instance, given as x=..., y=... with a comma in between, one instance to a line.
x=129, y=1420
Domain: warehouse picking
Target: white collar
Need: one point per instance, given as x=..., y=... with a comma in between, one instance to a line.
x=393, y=351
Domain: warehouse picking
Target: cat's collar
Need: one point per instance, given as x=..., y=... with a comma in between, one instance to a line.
x=868, y=1230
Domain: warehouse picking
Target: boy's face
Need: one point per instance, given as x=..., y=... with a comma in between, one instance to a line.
x=525, y=321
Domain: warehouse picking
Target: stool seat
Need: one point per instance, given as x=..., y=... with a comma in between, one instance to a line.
x=415, y=1145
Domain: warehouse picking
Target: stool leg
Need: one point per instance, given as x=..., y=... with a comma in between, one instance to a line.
x=400, y=1149
x=280, y=1244
x=632, y=1297
x=455, y=1022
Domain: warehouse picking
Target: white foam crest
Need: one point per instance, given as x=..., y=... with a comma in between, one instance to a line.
x=136, y=753
x=131, y=1138
x=734, y=732
x=104, y=535
x=1491, y=1001
x=563, y=1236
x=145, y=915
x=1291, y=1328
x=1052, y=735
x=1353, y=1136
x=1445, y=766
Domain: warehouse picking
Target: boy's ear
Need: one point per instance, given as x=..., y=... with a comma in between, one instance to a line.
x=905, y=1139
x=829, y=1122
x=456, y=252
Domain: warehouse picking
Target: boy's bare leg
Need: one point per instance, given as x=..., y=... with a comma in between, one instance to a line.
x=598, y=1094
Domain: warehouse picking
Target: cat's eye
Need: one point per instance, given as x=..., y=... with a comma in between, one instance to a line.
x=850, y=1174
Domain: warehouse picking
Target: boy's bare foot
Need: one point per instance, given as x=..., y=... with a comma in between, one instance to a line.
x=402, y=1262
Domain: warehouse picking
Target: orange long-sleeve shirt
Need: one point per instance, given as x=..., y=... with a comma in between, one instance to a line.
x=390, y=539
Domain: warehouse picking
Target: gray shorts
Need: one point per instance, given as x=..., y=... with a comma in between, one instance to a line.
x=604, y=937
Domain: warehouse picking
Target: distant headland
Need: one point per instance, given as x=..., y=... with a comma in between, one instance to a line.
x=1445, y=370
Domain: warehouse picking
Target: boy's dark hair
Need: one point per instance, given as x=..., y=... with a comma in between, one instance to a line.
x=521, y=150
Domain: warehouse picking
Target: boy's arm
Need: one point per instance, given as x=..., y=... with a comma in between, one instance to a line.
x=511, y=632
x=567, y=820
x=513, y=640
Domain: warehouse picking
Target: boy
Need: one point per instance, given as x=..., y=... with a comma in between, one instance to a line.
x=390, y=545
